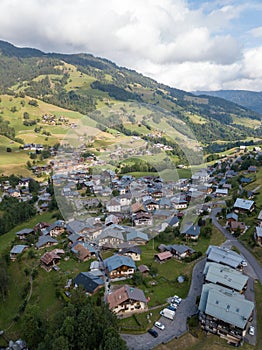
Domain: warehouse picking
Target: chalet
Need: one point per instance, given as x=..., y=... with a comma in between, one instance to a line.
x=135, y=237
x=231, y=217
x=49, y=260
x=259, y=218
x=225, y=313
x=127, y=300
x=55, y=229
x=125, y=199
x=74, y=237
x=45, y=241
x=119, y=266
x=111, y=220
x=221, y=192
x=163, y=214
x=151, y=204
x=191, y=231
x=142, y=219
x=14, y=193
x=134, y=252
x=164, y=256
x=252, y=169
x=236, y=226
x=81, y=251
x=138, y=208
x=224, y=256
x=225, y=276
x=143, y=269
x=89, y=281
x=180, y=251
x=179, y=203
x=244, y=205
x=111, y=236
x=173, y=222
x=22, y=234
x=258, y=235
x=17, y=250
x=165, y=203
x=113, y=206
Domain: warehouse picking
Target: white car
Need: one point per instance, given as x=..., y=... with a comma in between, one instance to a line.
x=244, y=263
x=176, y=299
x=251, y=330
x=159, y=325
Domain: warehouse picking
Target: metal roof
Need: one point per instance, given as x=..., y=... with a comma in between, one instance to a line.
x=116, y=261
x=223, y=256
x=243, y=204
x=18, y=249
x=221, y=274
x=228, y=309
x=208, y=286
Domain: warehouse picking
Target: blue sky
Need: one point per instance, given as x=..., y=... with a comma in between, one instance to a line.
x=191, y=45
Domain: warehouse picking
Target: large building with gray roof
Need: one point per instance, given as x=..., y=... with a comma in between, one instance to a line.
x=223, y=256
x=225, y=276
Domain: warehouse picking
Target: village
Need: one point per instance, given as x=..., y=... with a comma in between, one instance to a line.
x=109, y=220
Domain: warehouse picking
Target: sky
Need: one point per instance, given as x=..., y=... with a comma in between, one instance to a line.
x=187, y=44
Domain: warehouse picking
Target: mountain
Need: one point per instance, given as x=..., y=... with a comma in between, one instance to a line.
x=249, y=99
x=88, y=84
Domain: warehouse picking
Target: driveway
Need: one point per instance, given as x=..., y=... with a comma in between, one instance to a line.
x=176, y=327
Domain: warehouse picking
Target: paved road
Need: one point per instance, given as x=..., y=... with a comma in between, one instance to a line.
x=176, y=327
x=254, y=267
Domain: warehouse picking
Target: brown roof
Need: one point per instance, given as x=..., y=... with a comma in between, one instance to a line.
x=83, y=252
x=123, y=294
x=48, y=257
x=137, y=207
x=235, y=224
x=143, y=268
x=164, y=255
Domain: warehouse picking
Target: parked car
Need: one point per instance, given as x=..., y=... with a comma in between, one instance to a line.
x=243, y=263
x=171, y=307
x=251, y=330
x=176, y=300
x=159, y=325
x=153, y=332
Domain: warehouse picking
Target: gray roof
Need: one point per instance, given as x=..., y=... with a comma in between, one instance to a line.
x=115, y=261
x=43, y=240
x=259, y=231
x=135, y=294
x=208, y=286
x=243, y=204
x=192, y=230
x=89, y=281
x=224, y=275
x=223, y=256
x=24, y=231
x=260, y=215
x=232, y=216
x=179, y=248
x=18, y=249
x=133, y=234
x=228, y=309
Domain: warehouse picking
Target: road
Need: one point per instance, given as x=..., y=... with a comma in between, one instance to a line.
x=176, y=327
x=254, y=269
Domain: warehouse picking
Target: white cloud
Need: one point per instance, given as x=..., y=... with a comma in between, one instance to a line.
x=167, y=40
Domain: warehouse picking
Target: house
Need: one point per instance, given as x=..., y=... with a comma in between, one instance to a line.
x=225, y=276
x=236, y=226
x=142, y=219
x=224, y=256
x=16, y=250
x=119, y=266
x=81, y=251
x=221, y=192
x=179, y=203
x=180, y=251
x=111, y=220
x=191, y=231
x=259, y=218
x=74, y=237
x=55, y=229
x=244, y=205
x=230, y=218
x=163, y=214
x=258, y=235
x=151, y=204
x=127, y=300
x=252, y=169
x=225, y=313
x=111, y=236
x=164, y=256
x=45, y=241
x=22, y=234
x=113, y=206
x=49, y=259
x=144, y=269
x=173, y=222
x=89, y=281
x=135, y=237
x=134, y=252
x=17, y=345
